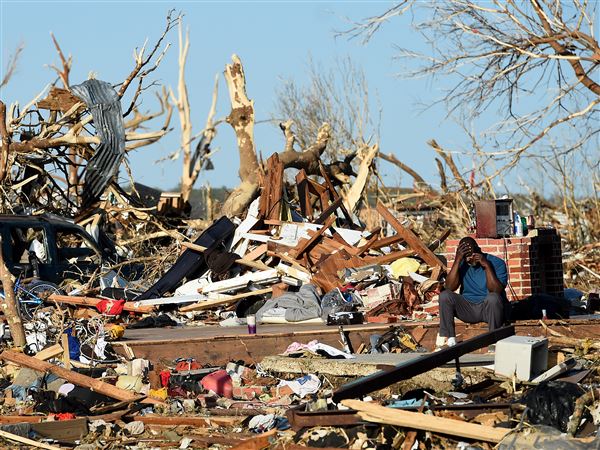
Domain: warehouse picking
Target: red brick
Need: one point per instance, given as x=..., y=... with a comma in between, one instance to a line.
x=248, y=392
x=281, y=391
x=516, y=263
x=518, y=254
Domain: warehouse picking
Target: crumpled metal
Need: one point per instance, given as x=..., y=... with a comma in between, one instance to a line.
x=105, y=107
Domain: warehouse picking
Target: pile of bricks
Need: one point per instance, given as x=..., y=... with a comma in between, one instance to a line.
x=534, y=261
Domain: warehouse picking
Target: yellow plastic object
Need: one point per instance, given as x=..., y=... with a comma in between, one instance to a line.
x=403, y=266
x=115, y=332
x=159, y=394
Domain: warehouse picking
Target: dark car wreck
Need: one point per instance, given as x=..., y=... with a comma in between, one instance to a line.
x=52, y=249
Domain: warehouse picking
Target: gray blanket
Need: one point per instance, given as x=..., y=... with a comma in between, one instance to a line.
x=302, y=305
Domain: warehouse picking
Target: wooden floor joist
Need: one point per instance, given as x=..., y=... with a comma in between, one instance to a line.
x=380, y=414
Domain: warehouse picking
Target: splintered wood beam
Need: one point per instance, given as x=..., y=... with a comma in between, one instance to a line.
x=91, y=301
x=305, y=244
x=212, y=303
x=334, y=195
x=304, y=194
x=29, y=442
x=258, y=252
x=223, y=421
x=49, y=353
x=370, y=242
x=270, y=204
x=411, y=238
x=381, y=414
x=73, y=377
x=329, y=211
x=390, y=257
x=386, y=242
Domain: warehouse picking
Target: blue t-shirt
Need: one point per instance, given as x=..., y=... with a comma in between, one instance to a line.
x=473, y=285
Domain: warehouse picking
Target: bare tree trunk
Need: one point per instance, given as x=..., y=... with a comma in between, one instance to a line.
x=5, y=142
x=358, y=187
x=448, y=158
x=241, y=119
x=9, y=305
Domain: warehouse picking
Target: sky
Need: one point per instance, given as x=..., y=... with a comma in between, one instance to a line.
x=274, y=40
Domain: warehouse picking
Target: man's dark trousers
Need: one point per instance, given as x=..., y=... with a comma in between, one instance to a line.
x=490, y=311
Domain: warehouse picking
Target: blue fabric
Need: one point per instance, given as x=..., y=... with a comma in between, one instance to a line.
x=473, y=285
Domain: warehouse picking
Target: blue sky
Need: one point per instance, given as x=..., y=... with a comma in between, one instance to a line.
x=274, y=40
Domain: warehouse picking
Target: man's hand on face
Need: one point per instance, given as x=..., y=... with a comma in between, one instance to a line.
x=463, y=251
x=478, y=258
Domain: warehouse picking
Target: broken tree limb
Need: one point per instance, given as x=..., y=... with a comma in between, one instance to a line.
x=241, y=118
x=9, y=305
x=448, y=158
x=309, y=158
x=380, y=414
x=411, y=238
x=73, y=377
x=419, y=182
x=356, y=191
x=243, y=261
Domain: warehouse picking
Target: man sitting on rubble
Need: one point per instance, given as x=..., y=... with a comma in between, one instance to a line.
x=482, y=279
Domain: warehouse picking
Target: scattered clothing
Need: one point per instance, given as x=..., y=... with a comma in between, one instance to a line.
x=302, y=305
x=308, y=384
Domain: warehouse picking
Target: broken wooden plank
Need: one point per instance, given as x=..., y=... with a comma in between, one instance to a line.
x=177, y=299
x=328, y=212
x=49, y=353
x=334, y=195
x=253, y=255
x=91, y=301
x=265, y=276
x=224, y=421
x=211, y=303
x=23, y=440
x=305, y=244
x=272, y=192
x=258, y=442
x=67, y=431
x=64, y=340
x=304, y=194
x=380, y=414
x=410, y=237
x=288, y=259
x=386, y=242
x=73, y=377
x=374, y=236
x=245, y=262
x=390, y=257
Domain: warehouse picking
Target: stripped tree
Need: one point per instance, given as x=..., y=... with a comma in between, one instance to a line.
x=535, y=62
